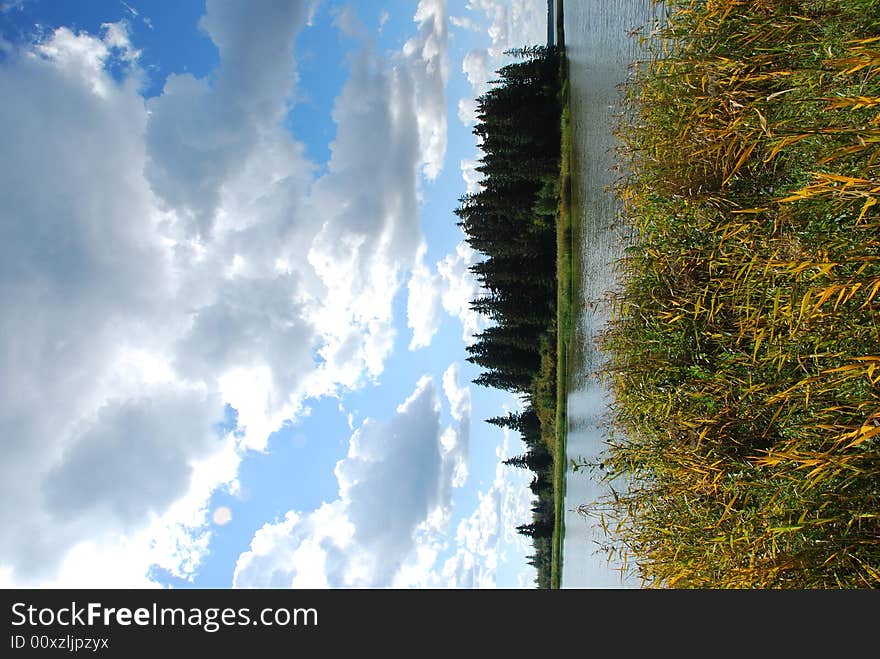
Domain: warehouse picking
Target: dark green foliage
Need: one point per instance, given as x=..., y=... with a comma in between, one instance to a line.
x=512, y=222
x=536, y=459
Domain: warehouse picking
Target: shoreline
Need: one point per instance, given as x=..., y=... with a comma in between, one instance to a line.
x=564, y=302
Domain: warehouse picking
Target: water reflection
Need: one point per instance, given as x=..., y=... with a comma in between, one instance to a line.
x=600, y=49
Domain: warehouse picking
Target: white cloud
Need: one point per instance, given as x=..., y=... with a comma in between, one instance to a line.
x=456, y=442
x=422, y=303
x=109, y=468
x=459, y=397
x=84, y=277
x=467, y=111
x=297, y=551
x=313, y=6
x=161, y=259
x=431, y=75
x=472, y=178
x=451, y=288
x=512, y=24
x=369, y=209
x=483, y=538
x=458, y=287
x=390, y=522
x=82, y=57
x=116, y=37
x=253, y=323
x=386, y=526
x=476, y=67
x=371, y=230
x=464, y=23
x=201, y=130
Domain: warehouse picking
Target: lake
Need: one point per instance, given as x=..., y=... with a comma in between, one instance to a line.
x=600, y=50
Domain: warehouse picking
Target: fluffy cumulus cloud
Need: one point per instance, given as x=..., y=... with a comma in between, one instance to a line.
x=472, y=178
x=164, y=260
x=86, y=282
x=423, y=303
x=200, y=130
x=110, y=467
x=509, y=24
x=512, y=23
x=455, y=441
x=458, y=286
x=449, y=286
x=370, y=211
x=370, y=233
x=431, y=74
x=388, y=523
x=476, y=67
x=484, y=536
x=464, y=23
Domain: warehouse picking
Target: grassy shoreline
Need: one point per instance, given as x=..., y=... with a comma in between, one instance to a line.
x=745, y=349
x=566, y=268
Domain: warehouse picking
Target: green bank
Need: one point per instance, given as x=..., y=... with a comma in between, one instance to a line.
x=567, y=269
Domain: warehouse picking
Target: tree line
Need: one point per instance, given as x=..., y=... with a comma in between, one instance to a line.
x=511, y=221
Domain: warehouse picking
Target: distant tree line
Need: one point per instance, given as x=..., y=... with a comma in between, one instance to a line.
x=512, y=222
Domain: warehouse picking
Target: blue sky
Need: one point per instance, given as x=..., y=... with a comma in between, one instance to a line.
x=235, y=297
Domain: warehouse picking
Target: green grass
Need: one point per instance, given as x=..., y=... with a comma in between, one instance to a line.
x=567, y=266
x=560, y=23
x=745, y=345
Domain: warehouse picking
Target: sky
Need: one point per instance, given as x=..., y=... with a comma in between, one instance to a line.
x=235, y=296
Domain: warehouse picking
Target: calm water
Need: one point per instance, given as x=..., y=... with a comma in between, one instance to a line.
x=600, y=51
